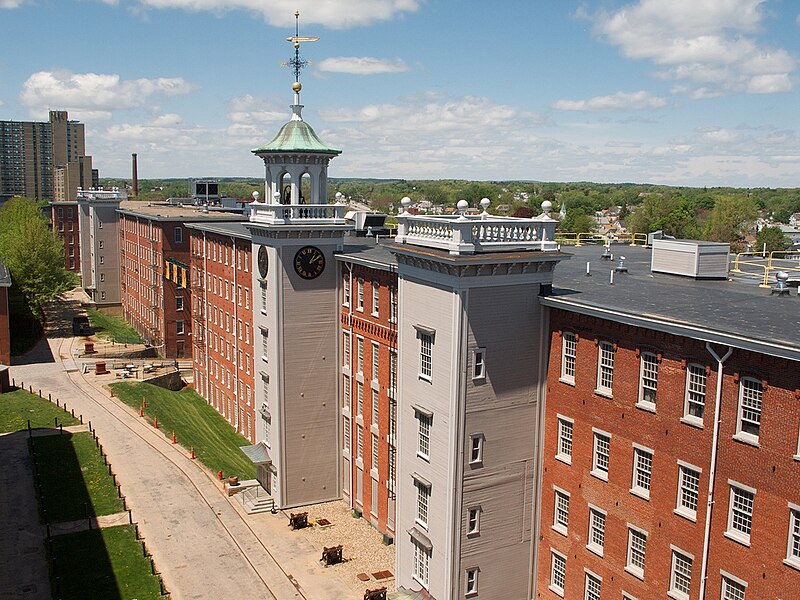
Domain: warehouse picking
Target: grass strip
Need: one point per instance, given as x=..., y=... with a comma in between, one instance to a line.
x=115, y=329
x=103, y=563
x=18, y=406
x=195, y=423
x=73, y=478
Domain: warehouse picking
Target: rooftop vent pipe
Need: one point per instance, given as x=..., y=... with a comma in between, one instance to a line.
x=780, y=287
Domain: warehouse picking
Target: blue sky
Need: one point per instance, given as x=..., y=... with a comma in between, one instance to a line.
x=678, y=92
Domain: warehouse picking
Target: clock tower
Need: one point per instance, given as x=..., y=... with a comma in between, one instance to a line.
x=295, y=233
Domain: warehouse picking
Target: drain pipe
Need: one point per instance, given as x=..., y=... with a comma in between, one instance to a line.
x=713, y=469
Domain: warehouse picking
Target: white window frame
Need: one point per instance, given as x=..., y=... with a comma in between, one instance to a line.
x=424, y=428
x=425, y=356
x=346, y=291
x=476, y=449
x=597, y=530
x=695, y=394
x=648, y=381
x=479, y=364
x=180, y=328
x=375, y=407
x=422, y=512
x=740, y=512
x=687, y=488
x=560, y=510
x=635, y=535
x=360, y=296
x=675, y=590
x=564, y=439
x=359, y=354
x=601, y=453
x=558, y=572
x=376, y=298
x=729, y=585
x=605, y=368
x=748, y=417
x=471, y=581
x=642, y=471
x=793, y=538
x=474, y=521
x=596, y=581
x=346, y=349
x=376, y=357
x=393, y=304
x=421, y=564
x=569, y=353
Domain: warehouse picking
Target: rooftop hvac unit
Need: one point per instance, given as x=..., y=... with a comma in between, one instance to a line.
x=690, y=258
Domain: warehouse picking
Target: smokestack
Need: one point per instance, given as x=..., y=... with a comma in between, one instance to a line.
x=134, y=176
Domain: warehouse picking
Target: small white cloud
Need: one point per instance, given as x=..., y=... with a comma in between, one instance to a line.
x=11, y=3
x=94, y=93
x=248, y=110
x=361, y=65
x=641, y=100
x=720, y=135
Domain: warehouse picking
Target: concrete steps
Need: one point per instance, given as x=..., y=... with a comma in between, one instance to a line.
x=256, y=503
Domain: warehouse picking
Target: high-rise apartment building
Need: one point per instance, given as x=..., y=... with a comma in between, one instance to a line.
x=44, y=160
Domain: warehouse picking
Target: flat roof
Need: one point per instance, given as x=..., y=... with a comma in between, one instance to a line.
x=174, y=212
x=226, y=228
x=733, y=312
x=369, y=252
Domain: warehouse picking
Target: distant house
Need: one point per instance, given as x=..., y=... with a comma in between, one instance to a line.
x=794, y=220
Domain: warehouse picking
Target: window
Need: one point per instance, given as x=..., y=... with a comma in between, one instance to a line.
x=733, y=588
x=749, y=422
x=359, y=355
x=346, y=392
x=264, y=298
x=558, y=572
x=102, y=277
x=374, y=464
x=471, y=586
x=740, y=513
x=346, y=348
x=346, y=291
x=393, y=371
x=422, y=558
x=680, y=578
x=102, y=260
x=561, y=511
x=479, y=363
x=425, y=355
x=360, y=399
x=600, y=455
x=375, y=298
x=393, y=304
x=592, y=588
x=695, y=394
x=179, y=327
x=648, y=380
x=569, y=348
x=375, y=407
x=476, y=449
x=642, y=471
x=564, y=450
x=375, y=360
x=474, y=521
x=597, y=530
x=423, y=500
x=360, y=298
x=424, y=435
x=359, y=442
x=637, y=542
x=179, y=235
x=605, y=368
x=793, y=546
x=100, y=244
x=264, y=344
x=688, y=489
x=347, y=434
x=179, y=303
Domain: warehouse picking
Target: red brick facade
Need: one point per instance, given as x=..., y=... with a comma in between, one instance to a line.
x=223, y=320
x=679, y=444
x=64, y=217
x=369, y=485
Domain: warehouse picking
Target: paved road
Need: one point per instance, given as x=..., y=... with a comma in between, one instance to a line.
x=201, y=542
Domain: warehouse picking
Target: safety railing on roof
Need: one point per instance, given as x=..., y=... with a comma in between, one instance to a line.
x=586, y=238
x=761, y=265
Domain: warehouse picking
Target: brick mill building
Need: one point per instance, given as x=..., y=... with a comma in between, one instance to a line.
x=222, y=320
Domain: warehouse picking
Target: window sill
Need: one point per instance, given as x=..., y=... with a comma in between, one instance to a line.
x=567, y=460
x=375, y=385
x=560, y=529
x=796, y=457
x=567, y=380
x=690, y=515
x=646, y=406
x=421, y=524
x=794, y=563
x=643, y=494
x=360, y=463
x=737, y=537
x=747, y=438
x=605, y=393
x=425, y=378
x=692, y=421
x=376, y=315
x=601, y=475
x=473, y=534
x=595, y=550
x=373, y=428
x=373, y=472
x=638, y=573
x=479, y=379
x=556, y=590
x=424, y=457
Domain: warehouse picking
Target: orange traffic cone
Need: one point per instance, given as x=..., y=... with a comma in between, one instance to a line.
x=144, y=401
x=174, y=439
x=155, y=421
x=193, y=456
x=141, y=411
x=111, y=391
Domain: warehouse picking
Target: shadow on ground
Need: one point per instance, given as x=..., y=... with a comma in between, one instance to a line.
x=58, y=315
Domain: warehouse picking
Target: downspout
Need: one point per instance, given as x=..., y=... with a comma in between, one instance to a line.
x=713, y=470
x=236, y=300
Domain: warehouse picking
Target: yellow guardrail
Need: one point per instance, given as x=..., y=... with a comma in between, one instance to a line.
x=580, y=239
x=759, y=261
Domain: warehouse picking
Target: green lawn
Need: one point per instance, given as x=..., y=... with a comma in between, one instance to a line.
x=195, y=423
x=106, y=563
x=115, y=329
x=18, y=406
x=74, y=478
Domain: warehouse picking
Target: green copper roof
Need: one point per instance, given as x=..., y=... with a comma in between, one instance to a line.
x=297, y=136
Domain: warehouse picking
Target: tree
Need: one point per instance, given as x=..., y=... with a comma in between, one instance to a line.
x=730, y=218
x=577, y=221
x=774, y=239
x=32, y=253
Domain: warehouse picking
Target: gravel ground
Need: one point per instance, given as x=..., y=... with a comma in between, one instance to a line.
x=364, y=550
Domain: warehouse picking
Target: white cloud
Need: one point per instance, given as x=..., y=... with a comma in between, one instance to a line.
x=719, y=135
x=361, y=65
x=93, y=95
x=641, y=100
x=712, y=45
x=336, y=14
x=11, y=3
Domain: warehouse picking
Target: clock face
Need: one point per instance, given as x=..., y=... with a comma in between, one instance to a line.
x=309, y=262
x=263, y=261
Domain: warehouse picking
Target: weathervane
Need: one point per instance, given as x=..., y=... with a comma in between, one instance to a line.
x=296, y=62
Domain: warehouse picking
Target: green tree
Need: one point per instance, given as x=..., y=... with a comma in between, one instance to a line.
x=32, y=253
x=730, y=218
x=774, y=239
x=577, y=221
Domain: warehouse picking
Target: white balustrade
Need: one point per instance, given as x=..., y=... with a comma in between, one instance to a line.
x=293, y=214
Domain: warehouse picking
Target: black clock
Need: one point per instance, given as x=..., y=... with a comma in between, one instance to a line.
x=309, y=262
x=263, y=262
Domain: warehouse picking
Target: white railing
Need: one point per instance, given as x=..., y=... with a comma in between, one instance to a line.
x=469, y=234
x=292, y=214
